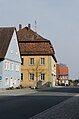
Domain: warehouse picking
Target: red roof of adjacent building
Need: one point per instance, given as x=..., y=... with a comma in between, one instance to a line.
x=61, y=70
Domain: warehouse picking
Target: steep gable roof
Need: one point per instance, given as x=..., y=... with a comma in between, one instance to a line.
x=5, y=37
x=27, y=34
x=32, y=43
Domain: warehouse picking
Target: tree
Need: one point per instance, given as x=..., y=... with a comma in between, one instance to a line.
x=37, y=69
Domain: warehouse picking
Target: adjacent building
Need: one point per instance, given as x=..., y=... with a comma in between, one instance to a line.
x=38, y=59
x=62, y=74
x=10, y=60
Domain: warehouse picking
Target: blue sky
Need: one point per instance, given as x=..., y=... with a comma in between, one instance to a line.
x=57, y=20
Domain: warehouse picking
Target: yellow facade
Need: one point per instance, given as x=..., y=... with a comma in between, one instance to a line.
x=42, y=73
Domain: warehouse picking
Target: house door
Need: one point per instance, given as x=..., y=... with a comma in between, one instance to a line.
x=11, y=82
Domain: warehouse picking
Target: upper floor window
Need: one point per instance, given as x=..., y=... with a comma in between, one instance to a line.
x=11, y=51
x=6, y=65
x=16, y=53
x=22, y=59
x=42, y=61
x=12, y=67
x=17, y=67
x=31, y=61
x=54, y=65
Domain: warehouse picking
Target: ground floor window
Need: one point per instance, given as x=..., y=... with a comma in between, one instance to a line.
x=31, y=76
x=21, y=76
x=42, y=77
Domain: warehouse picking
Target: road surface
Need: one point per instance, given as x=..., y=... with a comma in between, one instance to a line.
x=26, y=106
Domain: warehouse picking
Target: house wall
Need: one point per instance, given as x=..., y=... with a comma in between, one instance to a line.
x=26, y=69
x=48, y=69
x=62, y=74
x=11, y=76
x=12, y=64
x=1, y=68
x=13, y=52
x=52, y=71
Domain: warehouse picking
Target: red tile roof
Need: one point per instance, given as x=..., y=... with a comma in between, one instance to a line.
x=61, y=70
x=32, y=43
x=27, y=34
x=35, y=48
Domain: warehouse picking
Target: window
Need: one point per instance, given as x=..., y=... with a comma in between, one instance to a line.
x=16, y=53
x=22, y=59
x=31, y=76
x=21, y=76
x=5, y=67
x=54, y=66
x=42, y=61
x=17, y=67
x=12, y=67
x=11, y=51
x=8, y=67
x=42, y=76
x=31, y=61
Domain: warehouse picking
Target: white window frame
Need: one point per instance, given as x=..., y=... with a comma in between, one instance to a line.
x=11, y=51
x=8, y=67
x=12, y=66
x=5, y=65
x=42, y=61
x=42, y=77
x=31, y=61
x=17, y=67
x=31, y=76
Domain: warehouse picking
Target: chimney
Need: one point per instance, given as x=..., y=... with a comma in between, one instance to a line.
x=20, y=26
x=29, y=26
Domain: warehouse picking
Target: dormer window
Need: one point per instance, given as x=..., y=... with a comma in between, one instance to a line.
x=16, y=53
x=11, y=51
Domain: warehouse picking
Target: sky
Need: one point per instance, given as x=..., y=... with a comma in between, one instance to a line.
x=56, y=20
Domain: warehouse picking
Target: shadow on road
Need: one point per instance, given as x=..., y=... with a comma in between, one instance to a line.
x=24, y=107
x=74, y=89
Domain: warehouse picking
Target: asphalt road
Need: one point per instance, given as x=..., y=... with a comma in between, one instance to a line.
x=24, y=107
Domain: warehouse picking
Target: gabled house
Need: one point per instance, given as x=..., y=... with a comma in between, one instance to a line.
x=10, y=60
x=38, y=59
x=62, y=74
